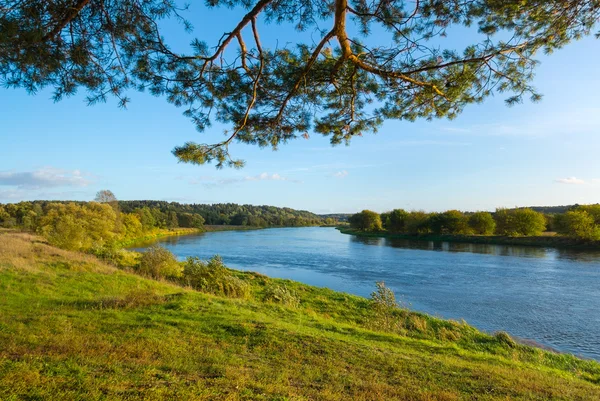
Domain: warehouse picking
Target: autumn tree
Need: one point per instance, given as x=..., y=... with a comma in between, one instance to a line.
x=337, y=79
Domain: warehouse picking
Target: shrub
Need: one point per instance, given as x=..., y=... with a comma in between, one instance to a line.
x=117, y=257
x=134, y=299
x=385, y=309
x=281, y=294
x=505, y=339
x=213, y=277
x=158, y=262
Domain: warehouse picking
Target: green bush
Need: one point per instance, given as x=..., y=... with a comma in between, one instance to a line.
x=281, y=294
x=213, y=277
x=158, y=262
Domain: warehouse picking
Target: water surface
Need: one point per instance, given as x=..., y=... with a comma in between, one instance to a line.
x=549, y=296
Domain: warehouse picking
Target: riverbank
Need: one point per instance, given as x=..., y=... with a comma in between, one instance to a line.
x=73, y=327
x=555, y=241
x=161, y=233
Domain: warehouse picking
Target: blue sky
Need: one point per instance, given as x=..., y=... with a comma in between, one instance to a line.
x=491, y=156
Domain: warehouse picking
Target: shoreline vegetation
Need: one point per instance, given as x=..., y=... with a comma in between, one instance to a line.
x=74, y=326
x=163, y=233
x=576, y=226
x=543, y=241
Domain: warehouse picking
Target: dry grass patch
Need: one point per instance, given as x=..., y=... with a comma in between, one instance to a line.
x=28, y=252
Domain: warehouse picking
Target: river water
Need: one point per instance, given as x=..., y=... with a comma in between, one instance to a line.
x=549, y=296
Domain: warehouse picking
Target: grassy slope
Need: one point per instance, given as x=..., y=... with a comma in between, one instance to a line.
x=165, y=232
x=73, y=328
x=552, y=241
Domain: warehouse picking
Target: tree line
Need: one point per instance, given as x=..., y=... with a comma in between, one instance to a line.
x=106, y=222
x=580, y=222
x=231, y=213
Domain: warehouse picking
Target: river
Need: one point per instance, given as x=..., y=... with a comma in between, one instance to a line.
x=549, y=296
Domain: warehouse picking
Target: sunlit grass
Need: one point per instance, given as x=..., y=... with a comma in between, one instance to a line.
x=74, y=328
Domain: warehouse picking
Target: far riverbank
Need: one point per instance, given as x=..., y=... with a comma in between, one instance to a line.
x=157, y=234
x=555, y=241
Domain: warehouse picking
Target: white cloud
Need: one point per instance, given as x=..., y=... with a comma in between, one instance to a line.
x=340, y=174
x=12, y=194
x=211, y=181
x=266, y=177
x=570, y=180
x=46, y=177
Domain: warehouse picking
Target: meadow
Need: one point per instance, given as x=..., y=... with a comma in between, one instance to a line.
x=73, y=327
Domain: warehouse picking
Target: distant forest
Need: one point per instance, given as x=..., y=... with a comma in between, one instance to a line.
x=232, y=213
x=161, y=214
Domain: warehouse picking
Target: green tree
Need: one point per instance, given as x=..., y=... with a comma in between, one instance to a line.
x=580, y=224
x=4, y=216
x=519, y=222
x=366, y=220
x=172, y=220
x=482, y=223
x=417, y=223
x=267, y=93
x=78, y=227
x=191, y=220
x=449, y=222
x=133, y=225
x=504, y=222
x=397, y=220
x=528, y=222
x=592, y=210
x=146, y=218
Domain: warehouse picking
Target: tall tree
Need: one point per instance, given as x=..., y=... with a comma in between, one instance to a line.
x=105, y=196
x=337, y=80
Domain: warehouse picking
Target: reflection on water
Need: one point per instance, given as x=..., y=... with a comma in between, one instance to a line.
x=550, y=296
x=489, y=249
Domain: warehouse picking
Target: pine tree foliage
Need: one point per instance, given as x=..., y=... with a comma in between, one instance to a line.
x=341, y=83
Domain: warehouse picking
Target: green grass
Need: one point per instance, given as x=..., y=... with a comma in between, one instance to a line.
x=544, y=241
x=73, y=328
